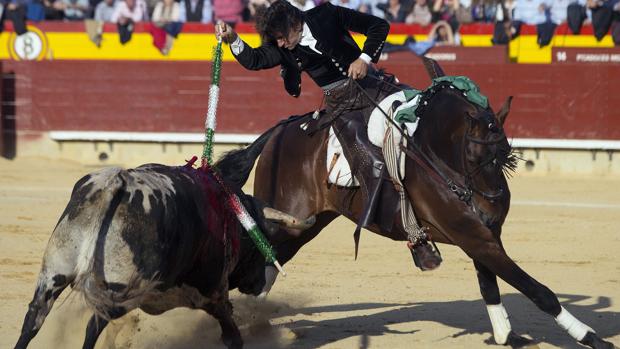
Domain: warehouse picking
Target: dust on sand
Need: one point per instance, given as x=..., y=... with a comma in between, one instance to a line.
x=563, y=231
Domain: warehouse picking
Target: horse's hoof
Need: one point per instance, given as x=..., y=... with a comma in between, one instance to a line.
x=594, y=341
x=424, y=256
x=516, y=341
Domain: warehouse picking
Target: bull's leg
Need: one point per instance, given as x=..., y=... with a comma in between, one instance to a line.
x=222, y=311
x=49, y=287
x=97, y=324
x=492, y=255
x=502, y=331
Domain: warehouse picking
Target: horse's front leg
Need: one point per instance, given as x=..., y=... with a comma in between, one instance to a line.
x=491, y=255
x=502, y=330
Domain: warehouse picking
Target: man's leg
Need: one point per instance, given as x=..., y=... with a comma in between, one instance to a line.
x=368, y=166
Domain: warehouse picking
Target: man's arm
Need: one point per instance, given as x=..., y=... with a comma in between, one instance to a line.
x=375, y=29
x=264, y=57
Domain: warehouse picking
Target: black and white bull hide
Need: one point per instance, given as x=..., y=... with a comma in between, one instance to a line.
x=155, y=238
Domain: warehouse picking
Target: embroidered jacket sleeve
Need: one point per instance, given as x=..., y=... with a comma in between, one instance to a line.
x=375, y=29
x=263, y=57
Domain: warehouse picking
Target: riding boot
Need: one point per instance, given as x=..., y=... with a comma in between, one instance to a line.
x=369, y=168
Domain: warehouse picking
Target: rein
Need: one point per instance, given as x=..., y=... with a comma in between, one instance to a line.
x=463, y=189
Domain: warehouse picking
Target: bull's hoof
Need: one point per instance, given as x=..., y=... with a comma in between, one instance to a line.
x=593, y=341
x=516, y=341
x=233, y=342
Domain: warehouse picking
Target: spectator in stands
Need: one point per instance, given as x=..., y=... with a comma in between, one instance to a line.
x=503, y=23
x=126, y=13
x=15, y=10
x=350, y=4
x=395, y=10
x=129, y=11
x=602, y=16
x=166, y=24
x=420, y=14
x=558, y=10
x=576, y=14
x=440, y=35
x=54, y=9
x=76, y=10
x=195, y=11
x=104, y=11
x=371, y=7
x=485, y=10
x=228, y=11
x=534, y=12
x=446, y=10
x=35, y=10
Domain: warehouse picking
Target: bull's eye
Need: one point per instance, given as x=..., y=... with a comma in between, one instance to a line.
x=491, y=125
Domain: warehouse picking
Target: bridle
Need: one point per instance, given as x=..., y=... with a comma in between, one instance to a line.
x=463, y=187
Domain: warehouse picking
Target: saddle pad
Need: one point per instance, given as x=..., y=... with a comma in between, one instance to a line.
x=378, y=125
x=340, y=173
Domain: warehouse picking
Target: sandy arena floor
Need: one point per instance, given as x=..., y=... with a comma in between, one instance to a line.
x=563, y=231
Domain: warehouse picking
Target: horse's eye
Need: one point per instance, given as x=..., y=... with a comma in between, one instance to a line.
x=491, y=126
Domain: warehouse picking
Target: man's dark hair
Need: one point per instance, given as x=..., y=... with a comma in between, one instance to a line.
x=279, y=19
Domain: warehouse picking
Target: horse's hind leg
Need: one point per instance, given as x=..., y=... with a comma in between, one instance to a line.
x=492, y=256
x=502, y=330
x=49, y=287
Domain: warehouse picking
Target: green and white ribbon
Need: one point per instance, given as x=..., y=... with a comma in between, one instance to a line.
x=214, y=97
x=207, y=160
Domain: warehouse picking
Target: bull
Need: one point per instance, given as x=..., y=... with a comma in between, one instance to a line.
x=155, y=237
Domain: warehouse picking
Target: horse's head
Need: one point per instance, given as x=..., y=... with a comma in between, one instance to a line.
x=460, y=133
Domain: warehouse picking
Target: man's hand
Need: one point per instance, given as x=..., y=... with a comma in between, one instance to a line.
x=358, y=69
x=226, y=32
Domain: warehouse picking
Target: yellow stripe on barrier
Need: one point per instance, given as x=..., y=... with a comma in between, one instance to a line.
x=199, y=46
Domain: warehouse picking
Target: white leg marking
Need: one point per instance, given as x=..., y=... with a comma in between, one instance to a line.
x=500, y=322
x=574, y=327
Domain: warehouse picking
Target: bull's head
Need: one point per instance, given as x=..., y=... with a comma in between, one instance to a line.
x=249, y=274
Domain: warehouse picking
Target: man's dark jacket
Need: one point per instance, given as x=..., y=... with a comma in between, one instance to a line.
x=330, y=26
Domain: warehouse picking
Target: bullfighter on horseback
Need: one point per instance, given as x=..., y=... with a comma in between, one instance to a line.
x=318, y=42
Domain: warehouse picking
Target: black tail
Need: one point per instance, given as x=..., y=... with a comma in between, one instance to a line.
x=236, y=165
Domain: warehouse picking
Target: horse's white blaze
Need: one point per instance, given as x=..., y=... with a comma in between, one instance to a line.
x=500, y=322
x=574, y=327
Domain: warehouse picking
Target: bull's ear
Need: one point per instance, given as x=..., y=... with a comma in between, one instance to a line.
x=502, y=114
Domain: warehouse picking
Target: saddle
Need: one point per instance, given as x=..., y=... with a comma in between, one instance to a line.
x=400, y=108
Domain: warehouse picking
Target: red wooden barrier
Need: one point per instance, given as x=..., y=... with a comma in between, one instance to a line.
x=568, y=100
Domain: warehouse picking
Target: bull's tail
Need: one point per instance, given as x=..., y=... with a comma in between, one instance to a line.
x=105, y=299
x=236, y=165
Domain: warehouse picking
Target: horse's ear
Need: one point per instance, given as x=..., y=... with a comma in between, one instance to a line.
x=503, y=113
x=432, y=67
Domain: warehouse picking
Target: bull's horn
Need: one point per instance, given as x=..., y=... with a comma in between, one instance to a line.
x=287, y=220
